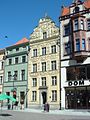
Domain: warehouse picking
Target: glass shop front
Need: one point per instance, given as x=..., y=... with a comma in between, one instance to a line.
x=77, y=98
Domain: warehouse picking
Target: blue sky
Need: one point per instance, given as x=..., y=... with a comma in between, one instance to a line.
x=18, y=18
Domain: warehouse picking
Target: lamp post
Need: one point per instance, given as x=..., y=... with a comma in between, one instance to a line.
x=59, y=47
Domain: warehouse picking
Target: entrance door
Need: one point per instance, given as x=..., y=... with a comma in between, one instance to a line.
x=44, y=97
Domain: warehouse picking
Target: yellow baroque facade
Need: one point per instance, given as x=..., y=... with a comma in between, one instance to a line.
x=44, y=65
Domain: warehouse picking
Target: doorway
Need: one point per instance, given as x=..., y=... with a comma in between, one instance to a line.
x=44, y=97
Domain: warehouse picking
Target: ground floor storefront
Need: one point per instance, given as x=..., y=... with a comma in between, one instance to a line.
x=77, y=97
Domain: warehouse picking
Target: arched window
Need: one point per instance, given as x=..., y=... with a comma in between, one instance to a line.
x=76, y=10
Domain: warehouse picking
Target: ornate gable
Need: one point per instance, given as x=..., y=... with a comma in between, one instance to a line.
x=45, y=29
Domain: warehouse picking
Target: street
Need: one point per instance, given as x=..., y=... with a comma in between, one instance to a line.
x=21, y=115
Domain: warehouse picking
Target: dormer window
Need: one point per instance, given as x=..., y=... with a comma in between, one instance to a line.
x=76, y=9
x=44, y=35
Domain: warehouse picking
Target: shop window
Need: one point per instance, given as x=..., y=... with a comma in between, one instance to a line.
x=71, y=73
x=76, y=73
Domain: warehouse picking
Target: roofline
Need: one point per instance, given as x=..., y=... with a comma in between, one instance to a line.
x=15, y=45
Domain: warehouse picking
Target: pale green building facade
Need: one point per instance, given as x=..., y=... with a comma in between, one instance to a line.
x=16, y=69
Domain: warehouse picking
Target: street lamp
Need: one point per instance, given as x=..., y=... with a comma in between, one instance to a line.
x=59, y=46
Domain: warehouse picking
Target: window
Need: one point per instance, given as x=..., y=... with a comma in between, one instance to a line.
x=23, y=59
x=1, y=79
x=44, y=35
x=22, y=74
x=34, y=95
x=54, y=80
x=83, y=44
x=15, y=75
x=53, y=65
x=16, y=60
x=76, y=24
x=34, y=67
x=44, y=66
x=9, y=75
x=76, y=73
x=34, y=82
x=44, y=51
x=67, y=48
x=76, y=9
x=43, y=81
x=88, y=24
x=82, y=25
x=54, y=95
x=77, y=45
x=35, y=53
x=89, y=44
x=53, y=49
x=67, y=29
x=10, y=61
x=17, y=49
x=88, y=72
x=2, y=65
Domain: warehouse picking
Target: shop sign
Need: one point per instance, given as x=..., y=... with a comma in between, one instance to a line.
x=76, y=83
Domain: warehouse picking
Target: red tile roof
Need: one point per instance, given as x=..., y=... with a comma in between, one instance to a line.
x=87, y=3
x=65, y=11
x=24, y=40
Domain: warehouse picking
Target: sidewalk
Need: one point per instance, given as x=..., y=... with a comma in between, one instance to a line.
x=58, y=112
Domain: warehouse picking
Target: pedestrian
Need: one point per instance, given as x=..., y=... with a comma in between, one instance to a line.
x=22, y=104
x=16, y=105
x=47, y=107
x=44, y=107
